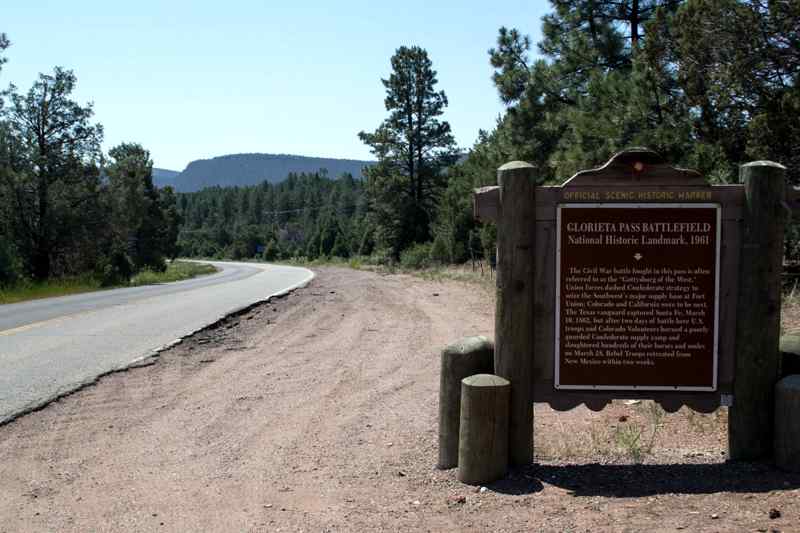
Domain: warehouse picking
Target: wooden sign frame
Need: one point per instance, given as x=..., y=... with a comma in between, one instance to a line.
x=671, y=185
x=637, y=176
x=754, y=214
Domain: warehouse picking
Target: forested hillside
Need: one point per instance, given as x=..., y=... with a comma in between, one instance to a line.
x=251, y=169
x=307, y=215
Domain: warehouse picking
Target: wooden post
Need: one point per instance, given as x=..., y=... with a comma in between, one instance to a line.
x=483, y=439
x=468, y=356
x=513, y=356
x=790, y=355
x=787, y=423
x=751, y=418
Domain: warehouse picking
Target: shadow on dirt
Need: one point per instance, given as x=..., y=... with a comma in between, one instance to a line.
x=633, y=481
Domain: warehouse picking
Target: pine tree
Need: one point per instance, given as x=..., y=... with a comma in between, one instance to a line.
x=412, y=147
x=590, y=96
x=738, y=63
x=138, y=218
x=50, y=153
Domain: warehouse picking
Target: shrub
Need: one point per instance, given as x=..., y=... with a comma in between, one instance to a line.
x=440, y=252
x=340, y=248
x=417, y=256
x=270, y=252
x=115, y=269
x=381, y=257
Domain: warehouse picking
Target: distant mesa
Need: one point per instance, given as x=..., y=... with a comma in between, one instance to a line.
x=162, y=176
x=251, y=169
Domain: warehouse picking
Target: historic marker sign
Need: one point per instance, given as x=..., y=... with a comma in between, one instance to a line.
x=637, y=296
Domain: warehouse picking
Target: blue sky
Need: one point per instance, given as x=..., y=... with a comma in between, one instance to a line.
x=192, y=80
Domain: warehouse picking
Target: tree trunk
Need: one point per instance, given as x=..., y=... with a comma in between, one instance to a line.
x=41, y=252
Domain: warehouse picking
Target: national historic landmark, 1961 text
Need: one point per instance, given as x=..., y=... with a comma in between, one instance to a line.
x=637, y=296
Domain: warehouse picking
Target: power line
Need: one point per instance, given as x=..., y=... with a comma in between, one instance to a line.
x=304, y=209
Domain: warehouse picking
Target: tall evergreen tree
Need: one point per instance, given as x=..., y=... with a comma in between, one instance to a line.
x=172, y=222
x=589, y=96
x=737, y=64
x=9, y=262
x=413, y=147
x=138, y=217
x=51, y=153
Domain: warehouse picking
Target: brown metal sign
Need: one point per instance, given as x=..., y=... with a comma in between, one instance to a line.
x=637, y=296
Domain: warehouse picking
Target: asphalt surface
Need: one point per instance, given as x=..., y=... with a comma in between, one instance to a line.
x=52, y=346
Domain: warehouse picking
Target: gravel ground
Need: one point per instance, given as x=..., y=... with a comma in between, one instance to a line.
x=317, y=412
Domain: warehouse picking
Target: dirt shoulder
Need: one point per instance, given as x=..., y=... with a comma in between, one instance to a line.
x=318, y=412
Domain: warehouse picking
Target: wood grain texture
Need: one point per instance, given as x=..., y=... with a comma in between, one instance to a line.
x=461, y=359
x=790, y=352
x=787, y=423
x=486, y=203
x=751, y=418
x=483, y=439
x=514, y=319
x=636, y=165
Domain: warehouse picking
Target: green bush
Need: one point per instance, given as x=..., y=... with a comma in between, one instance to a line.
x=340, y=248
x=381, y=257
x=417, y=256
x=439, y=251
x=367, y=245
x=270, y=252
x=115, y=269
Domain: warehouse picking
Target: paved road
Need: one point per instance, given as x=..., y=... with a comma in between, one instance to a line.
x=49, y=347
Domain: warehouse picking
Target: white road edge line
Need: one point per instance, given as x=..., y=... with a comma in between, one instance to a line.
x=147, y=359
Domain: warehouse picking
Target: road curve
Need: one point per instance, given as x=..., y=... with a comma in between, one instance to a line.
x=52, y=346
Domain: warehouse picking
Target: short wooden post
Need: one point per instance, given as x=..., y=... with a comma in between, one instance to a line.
x=468, y=356
x=513, y=356
x=790, y=352
x=787, y=423
x=751, y=418
x=483, y=439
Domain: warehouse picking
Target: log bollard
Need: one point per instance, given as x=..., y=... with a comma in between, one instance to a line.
x=790, y=352
x=787, y=423
x=483, y=435
x=468, y=356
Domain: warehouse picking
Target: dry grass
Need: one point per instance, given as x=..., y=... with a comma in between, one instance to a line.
x=176, y=271
x=790, y=311
x=636, y=434
x=30, y=290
